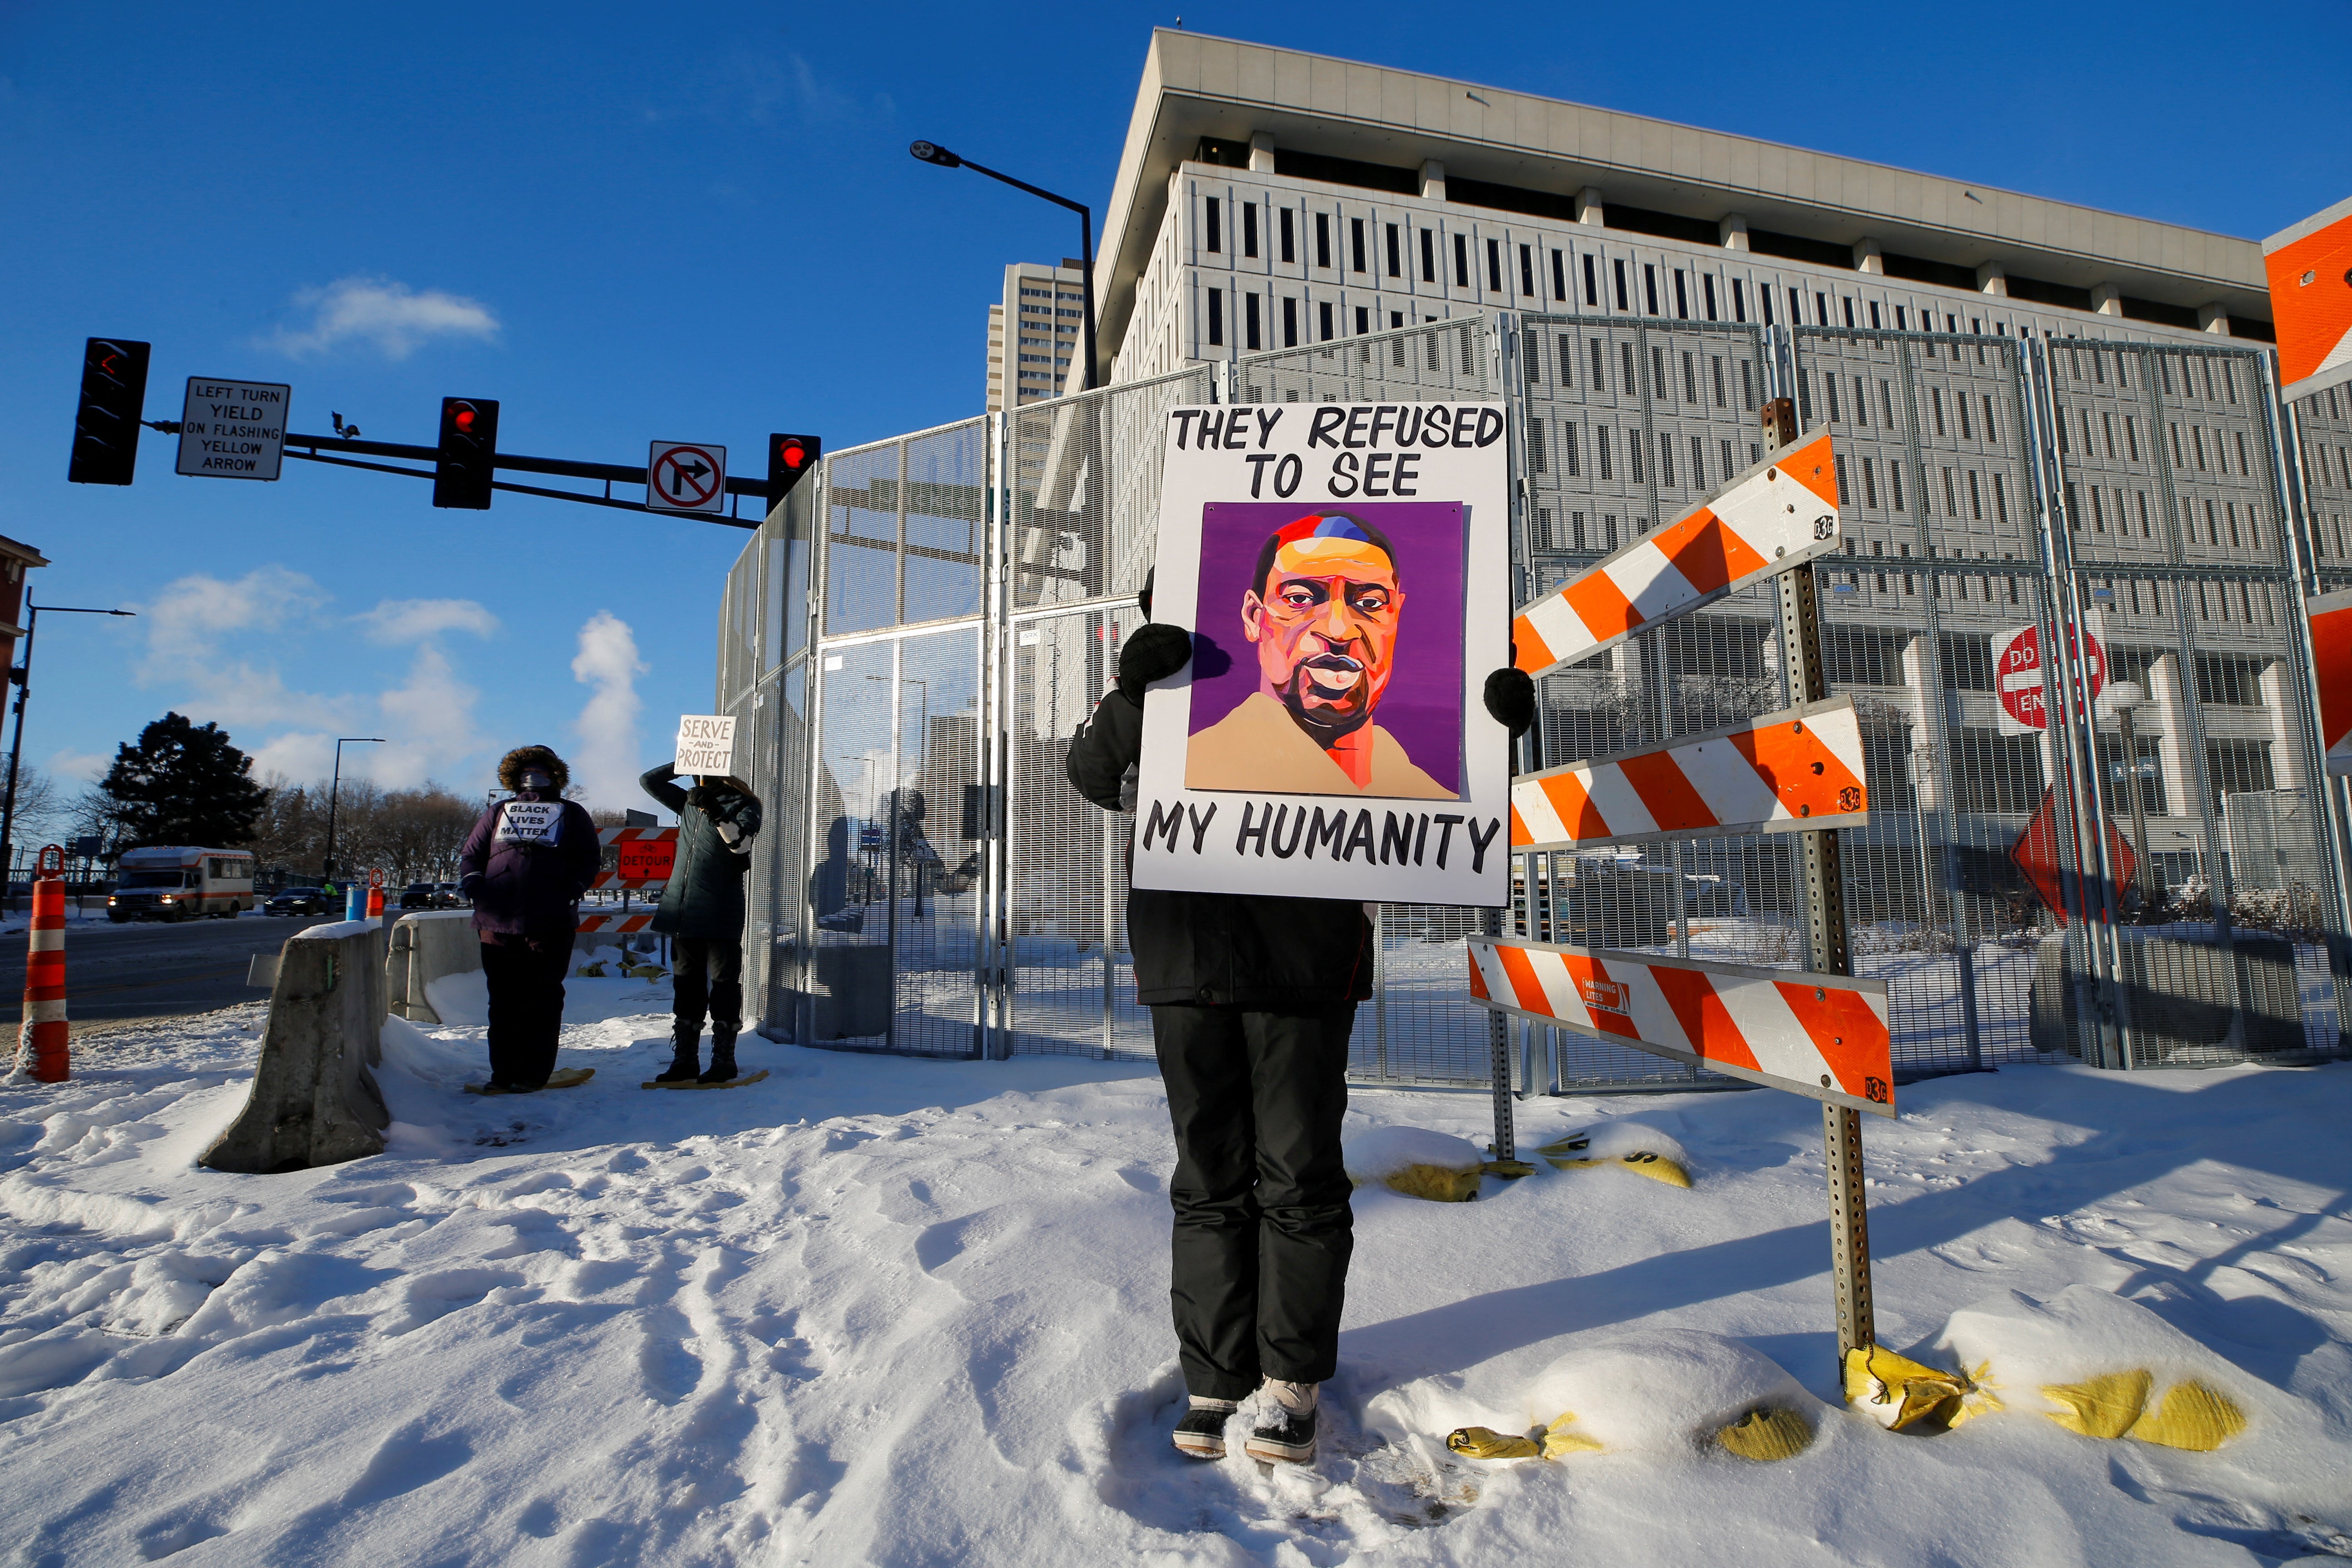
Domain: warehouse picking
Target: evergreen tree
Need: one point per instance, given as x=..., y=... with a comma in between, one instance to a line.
x=181, y=783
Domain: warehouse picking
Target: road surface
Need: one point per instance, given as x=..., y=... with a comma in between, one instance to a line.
x=141, y=970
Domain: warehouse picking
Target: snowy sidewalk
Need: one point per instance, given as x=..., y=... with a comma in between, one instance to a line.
x=896, y=1312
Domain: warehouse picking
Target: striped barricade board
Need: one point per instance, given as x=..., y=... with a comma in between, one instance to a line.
x=1794, y=770
x=2331, y=661
x=647, y=855
x=1779, y=514
x=618, y=923
x=1821, y=1036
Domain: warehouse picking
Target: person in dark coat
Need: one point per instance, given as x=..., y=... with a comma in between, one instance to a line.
x=525, y=866
x=702, y=912
x=1252, y=998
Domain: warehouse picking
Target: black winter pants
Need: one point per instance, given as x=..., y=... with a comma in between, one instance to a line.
x=1262, y=1226
x=706, y=972
x=526, y=1007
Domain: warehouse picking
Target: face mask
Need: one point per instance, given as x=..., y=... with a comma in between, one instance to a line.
x=533, y=779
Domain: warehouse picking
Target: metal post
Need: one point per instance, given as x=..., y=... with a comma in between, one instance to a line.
x=2073, y=725
x=1826, y=948
x=1498, y=1037
x=2326, y=792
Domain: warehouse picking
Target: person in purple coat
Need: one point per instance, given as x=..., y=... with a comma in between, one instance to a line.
x=525, y=866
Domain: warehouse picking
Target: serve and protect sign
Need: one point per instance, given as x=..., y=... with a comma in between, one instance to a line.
x=2019, y=683
x=1821, y=1035
x=1344, y=572
x=685, y=477
x=705, y=744
x=233, y=430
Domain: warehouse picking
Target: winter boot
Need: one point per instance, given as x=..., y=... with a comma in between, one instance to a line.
x=1201, y=1430
x=686, y=1066
x=1285, y=1428
x=722, y=1057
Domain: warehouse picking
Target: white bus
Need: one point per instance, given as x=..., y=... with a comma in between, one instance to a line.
x=174, y=884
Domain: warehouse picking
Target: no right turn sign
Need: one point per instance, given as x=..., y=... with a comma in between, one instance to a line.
x=686, y=477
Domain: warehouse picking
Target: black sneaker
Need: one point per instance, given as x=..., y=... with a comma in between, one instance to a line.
x=1201, y=1430
x=1285, y=1428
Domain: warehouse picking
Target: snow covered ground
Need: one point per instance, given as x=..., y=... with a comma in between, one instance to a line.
x=895, y=1312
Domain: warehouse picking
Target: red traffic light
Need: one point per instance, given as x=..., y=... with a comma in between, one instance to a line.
x=789, y=457
x=463, y=419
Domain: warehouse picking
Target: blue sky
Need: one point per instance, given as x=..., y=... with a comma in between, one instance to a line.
x=701, y=223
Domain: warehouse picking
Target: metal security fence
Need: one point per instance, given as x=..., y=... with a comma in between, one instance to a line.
x=914, y=637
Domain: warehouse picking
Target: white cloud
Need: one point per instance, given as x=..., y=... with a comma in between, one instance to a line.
x=429, y=721
x=77, y=767
x=390, y=316
x=189, y=623
x=413, y=620
x=301, y=756
x=606, y=766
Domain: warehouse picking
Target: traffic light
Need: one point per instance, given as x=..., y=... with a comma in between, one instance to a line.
x=106, y=425
x=468, y=445
x=789, y=458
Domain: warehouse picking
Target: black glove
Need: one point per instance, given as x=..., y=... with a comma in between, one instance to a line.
x=1152, y=654
x=1511, y=698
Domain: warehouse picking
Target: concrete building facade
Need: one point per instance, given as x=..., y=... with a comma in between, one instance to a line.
x=1270, y=199
x=1035, y=333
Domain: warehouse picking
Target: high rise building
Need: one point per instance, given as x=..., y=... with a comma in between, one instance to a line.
x=1267, y=199
x=1033, y=335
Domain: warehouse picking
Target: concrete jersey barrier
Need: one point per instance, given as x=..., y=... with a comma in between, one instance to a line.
x=314, y=1101
x=425, y=948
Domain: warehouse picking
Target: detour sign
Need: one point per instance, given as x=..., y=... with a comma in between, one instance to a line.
x=2017, y=679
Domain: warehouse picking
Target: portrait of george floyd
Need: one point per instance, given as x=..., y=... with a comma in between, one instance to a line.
x=1327, y=651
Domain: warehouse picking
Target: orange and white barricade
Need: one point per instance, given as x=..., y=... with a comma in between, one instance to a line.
x=647, y=856
x=41, y=1038
x=1821, y=1035
x=1794, y=770
x=618, y=924
x=1777, y=515
x=2331, y=665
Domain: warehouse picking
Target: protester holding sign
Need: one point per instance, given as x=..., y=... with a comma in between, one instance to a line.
x=525, y=866
x=702, y=912
x=1253, y=997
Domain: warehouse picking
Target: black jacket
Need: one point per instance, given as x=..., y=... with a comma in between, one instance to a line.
x=704, y=895
x=1239, y=949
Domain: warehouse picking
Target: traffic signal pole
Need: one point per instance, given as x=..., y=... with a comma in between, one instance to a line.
x=343, y=452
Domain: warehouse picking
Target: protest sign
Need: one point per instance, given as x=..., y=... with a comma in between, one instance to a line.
x=1344, y=571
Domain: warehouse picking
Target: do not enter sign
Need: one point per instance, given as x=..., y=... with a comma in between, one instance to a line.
x=2017, y=679
x=689, y=477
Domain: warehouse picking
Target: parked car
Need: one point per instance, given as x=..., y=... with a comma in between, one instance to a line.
x=298, y=902
x=418, y=896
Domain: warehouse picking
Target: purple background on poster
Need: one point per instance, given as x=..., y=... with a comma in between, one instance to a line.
x=1423, y=705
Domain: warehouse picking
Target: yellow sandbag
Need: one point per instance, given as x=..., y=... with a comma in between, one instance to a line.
x=1767, y=1435
x=1435, y=1182
x=1486, y=1443
x=591, y=971
x=1509, y=1169
x=1418, y=1162
x=1902, y=1394
x=646, y=971
x=2101, y=1406
x=1627, y=1145
x=1555, y=1441
x=2192, y=1415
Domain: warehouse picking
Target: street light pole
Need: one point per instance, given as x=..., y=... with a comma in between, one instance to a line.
x=326, y=870
x=932, y=152
x=23, y=676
